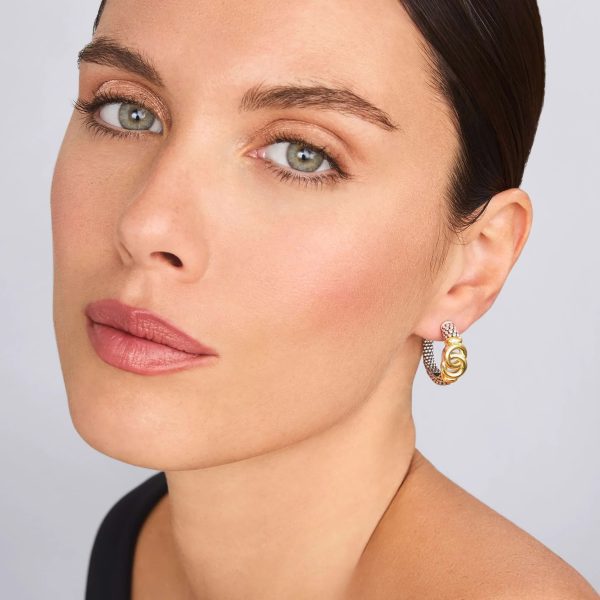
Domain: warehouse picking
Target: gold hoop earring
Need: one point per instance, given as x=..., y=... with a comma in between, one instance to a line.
x=454, y=356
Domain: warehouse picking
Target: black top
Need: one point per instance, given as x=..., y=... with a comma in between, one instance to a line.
x=111, y=560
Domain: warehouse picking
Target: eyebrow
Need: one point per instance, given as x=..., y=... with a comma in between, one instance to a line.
x=319, y=96
x=106, y=51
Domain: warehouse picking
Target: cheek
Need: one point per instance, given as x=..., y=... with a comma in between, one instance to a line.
x=61, y=191
x=349, y=280
x=88, y=184
x=68, y=223
x=71, y=201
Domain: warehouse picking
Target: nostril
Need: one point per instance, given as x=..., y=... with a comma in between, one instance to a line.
x=172, y=258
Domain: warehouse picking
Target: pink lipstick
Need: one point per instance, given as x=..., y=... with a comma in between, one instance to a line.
x=137, y=340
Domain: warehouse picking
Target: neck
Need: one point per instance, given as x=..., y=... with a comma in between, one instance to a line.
x=293, y=523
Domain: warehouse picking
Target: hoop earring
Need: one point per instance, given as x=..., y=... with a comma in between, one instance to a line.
x=454, y=356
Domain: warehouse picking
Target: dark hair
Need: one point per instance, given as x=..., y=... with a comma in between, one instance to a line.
x=98, y=16
x=488, y=63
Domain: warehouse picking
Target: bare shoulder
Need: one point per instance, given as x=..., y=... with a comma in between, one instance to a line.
x=436, y=540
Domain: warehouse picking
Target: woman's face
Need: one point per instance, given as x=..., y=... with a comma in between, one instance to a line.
x=308, y=289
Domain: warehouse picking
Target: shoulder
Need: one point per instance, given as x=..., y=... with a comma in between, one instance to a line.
x=436, y=540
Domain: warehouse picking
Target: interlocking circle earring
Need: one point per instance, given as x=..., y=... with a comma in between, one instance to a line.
x=454, y=356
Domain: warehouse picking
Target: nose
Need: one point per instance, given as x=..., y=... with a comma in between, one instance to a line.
x=160, y=227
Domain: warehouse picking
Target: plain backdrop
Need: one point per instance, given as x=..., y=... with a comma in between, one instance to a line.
x=520, y=431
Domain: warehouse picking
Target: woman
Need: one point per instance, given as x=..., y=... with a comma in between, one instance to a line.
x=263, y=215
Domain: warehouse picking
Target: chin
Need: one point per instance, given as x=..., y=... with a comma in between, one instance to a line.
x=158, y=422
x=115, y=422
x=139, y=420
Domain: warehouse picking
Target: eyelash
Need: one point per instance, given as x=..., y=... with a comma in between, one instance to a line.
x=88, y=109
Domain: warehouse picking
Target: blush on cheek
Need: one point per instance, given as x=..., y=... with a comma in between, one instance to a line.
x=349, y=285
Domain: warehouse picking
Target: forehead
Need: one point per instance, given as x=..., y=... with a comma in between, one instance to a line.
x=371, y=47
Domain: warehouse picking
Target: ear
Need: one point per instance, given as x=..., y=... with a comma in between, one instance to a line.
x=475, y=269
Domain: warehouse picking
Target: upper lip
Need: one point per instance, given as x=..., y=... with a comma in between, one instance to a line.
x=144, y=324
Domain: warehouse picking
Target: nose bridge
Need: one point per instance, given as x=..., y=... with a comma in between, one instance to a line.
x=161, y=225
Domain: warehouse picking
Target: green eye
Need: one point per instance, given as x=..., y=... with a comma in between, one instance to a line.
x=303, y=158
x=297, y=155
x=129, y=116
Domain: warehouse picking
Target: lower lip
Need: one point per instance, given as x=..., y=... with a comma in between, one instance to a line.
x=138, y=355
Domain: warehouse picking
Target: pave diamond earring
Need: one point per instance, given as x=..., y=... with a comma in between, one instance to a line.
x=454, y=356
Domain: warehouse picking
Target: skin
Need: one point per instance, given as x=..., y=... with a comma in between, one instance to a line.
x=291, y=463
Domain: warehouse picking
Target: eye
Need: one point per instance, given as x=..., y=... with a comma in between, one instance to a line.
x=304, y=163
x=298, y=155
x=132, y=117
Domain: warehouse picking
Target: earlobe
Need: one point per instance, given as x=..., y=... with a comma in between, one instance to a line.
x=478, y=267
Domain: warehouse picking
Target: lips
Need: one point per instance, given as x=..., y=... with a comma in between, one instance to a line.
x=138, y=340
x=144, y=324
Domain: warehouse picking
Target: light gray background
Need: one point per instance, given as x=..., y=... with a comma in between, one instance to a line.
x=520, y=431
